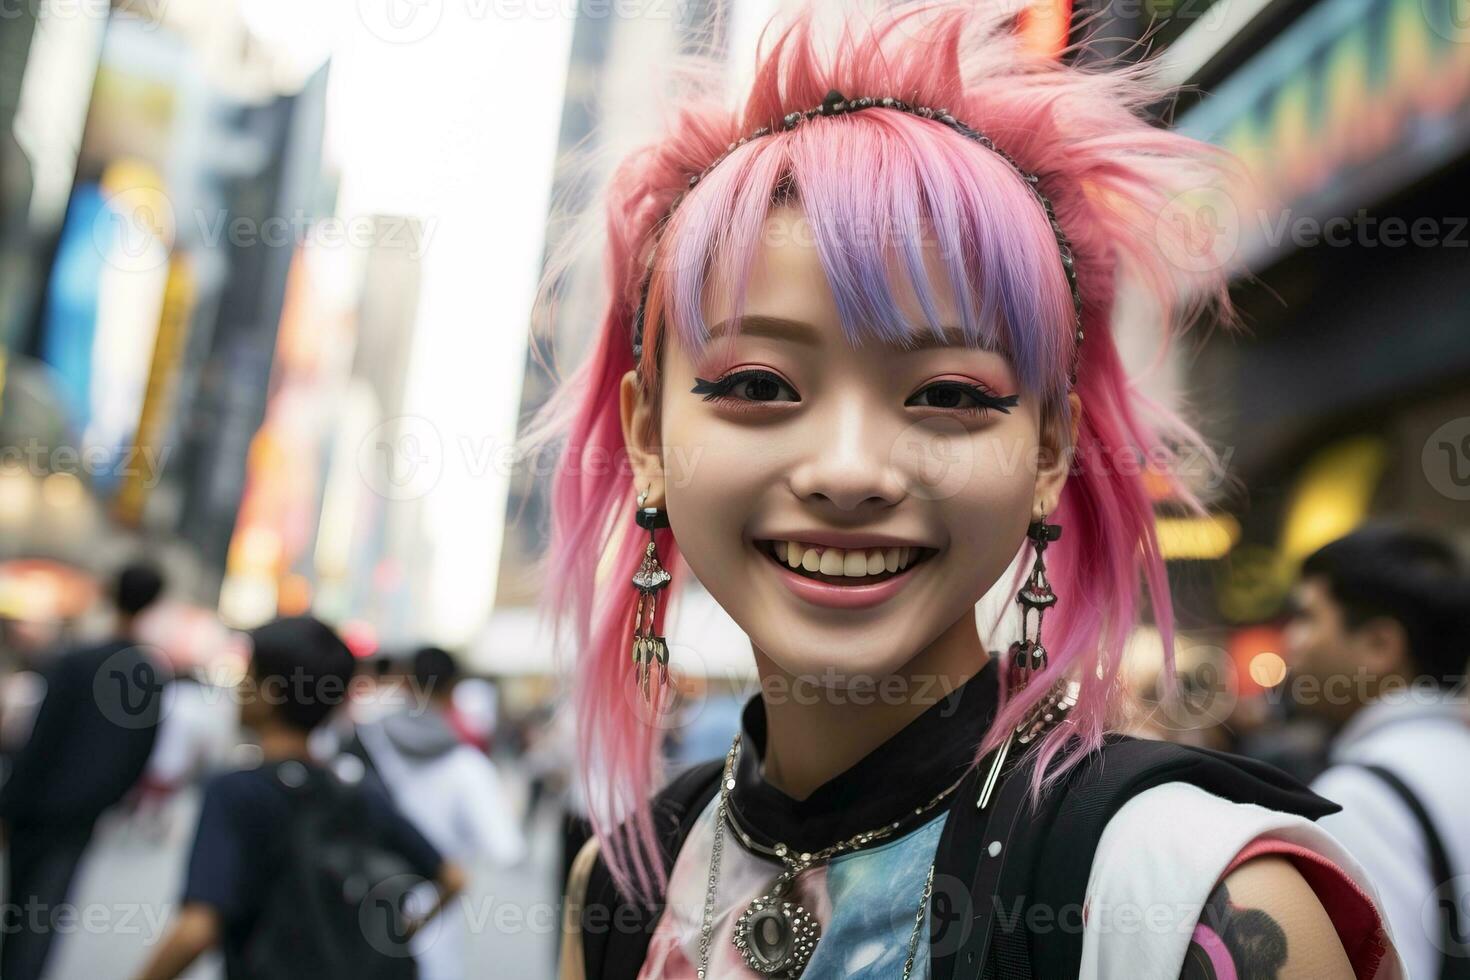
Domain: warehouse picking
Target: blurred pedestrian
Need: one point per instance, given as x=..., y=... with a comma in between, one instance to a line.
x=1378, y=642
x=89, y=745
x=449, y=788
x=290, y=862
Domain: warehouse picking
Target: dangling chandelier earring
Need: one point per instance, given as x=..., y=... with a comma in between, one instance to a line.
x=648, y=647
x=1028, y=656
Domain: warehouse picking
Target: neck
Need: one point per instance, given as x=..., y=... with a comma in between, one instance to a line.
x=1374, y=687
x=282, y=742
x=811, y=740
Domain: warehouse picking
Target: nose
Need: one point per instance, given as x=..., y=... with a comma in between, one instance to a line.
x=849, y=463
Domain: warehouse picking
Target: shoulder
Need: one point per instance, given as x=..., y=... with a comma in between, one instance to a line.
x=685, y=793
x=674, y=808
x=244, y=780
x=246, y=786
x=1191, y=836
x=81, y=665
x=1221, y=868
x=241, y=803
x=1264, y=919
x=1138, y=793
x=468, y=760
x=1365, y=799
x=1134, y=764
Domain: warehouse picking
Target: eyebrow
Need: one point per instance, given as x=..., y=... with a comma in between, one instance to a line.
x=801, y=332
x=775, y=327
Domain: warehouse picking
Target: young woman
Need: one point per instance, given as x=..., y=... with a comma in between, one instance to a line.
x=859, y=360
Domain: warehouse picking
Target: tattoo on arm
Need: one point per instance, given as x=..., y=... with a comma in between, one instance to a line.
x=1232, y=942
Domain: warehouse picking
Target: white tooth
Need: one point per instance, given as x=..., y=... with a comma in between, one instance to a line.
x=832, y=562
x=875, y=561
x=854, y=563
x=781, y=550
x=904, y=554
x=890, y=559
x=794, y=552
x=811, y=561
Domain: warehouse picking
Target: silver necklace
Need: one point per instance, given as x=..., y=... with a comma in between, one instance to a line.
x=775, y=935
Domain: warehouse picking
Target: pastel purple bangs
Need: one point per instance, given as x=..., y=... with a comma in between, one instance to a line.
x=878, y=189
x=874, y=185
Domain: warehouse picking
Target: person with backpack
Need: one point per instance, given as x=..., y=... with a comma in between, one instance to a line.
x=856, y=361
x=295, y=871
x=88, y=750
x=1378, y=642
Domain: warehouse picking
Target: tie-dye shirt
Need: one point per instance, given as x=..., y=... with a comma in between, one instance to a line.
x=866, y=903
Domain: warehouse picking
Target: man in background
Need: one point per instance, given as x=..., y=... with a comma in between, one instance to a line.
x=448, y=788
x=1378, y=641
x=88, y=747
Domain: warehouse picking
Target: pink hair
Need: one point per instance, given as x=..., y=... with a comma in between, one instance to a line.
x=1111, y=176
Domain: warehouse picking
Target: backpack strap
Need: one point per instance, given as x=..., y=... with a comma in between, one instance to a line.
x=970, y=858
x=1040, y=856
x=1454, y=964
x=616, y=931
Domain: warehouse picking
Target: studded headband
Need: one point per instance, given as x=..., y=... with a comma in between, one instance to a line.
x=835, y=104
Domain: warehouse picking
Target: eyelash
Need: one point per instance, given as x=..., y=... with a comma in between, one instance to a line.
x=719, y=392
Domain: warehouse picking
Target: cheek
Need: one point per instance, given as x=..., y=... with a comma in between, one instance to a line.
x=986, y=486
x=715, y=476
x=987, y=520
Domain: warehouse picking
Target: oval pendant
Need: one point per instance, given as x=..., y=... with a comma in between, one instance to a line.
x=776, y=937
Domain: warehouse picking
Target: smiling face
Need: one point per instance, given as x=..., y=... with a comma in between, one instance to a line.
x=846, y=505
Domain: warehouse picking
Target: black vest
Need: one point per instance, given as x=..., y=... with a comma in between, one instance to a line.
x=981, y=903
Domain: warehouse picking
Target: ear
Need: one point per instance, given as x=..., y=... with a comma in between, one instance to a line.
x=640, y=437
x=1385, y=648
x=1054, y=459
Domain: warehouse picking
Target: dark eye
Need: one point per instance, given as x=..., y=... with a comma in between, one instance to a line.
x=961, y=396
x=746, y=386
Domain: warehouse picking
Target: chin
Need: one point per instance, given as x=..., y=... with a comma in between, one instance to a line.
x=855, y=664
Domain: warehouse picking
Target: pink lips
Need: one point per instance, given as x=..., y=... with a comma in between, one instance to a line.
x=842, y=596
